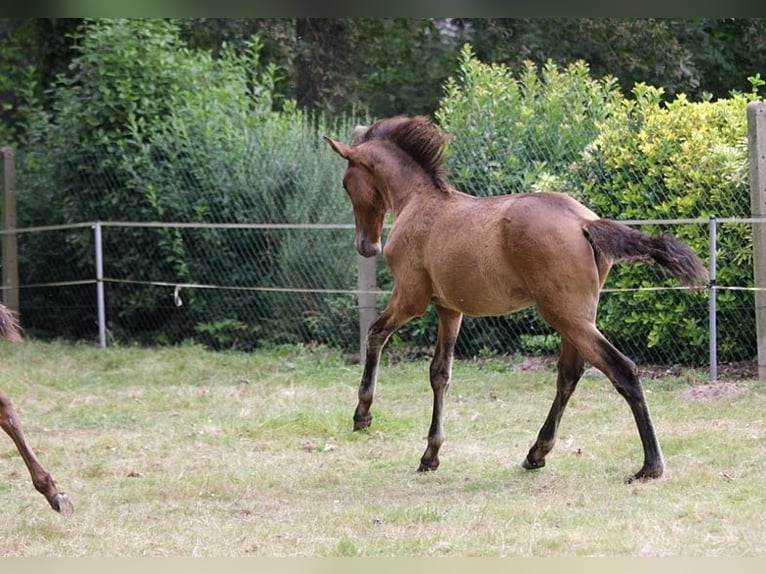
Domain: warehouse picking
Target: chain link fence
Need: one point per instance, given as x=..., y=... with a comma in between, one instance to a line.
x=312, y=300
x=247, y=285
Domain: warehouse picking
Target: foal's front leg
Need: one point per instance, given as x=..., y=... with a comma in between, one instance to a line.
x=440, y=374
x=379, y=332
x=570, y=368
x=404, y=304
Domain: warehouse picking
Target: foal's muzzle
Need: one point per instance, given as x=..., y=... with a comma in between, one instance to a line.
x=367, y=248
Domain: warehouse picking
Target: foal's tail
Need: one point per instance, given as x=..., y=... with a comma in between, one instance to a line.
x=622, y=243
x=9, y=327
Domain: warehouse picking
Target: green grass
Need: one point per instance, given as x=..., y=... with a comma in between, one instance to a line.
x=185, y=452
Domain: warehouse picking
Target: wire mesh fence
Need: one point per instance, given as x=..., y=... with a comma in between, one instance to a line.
x=231, y=287
x=225, y=285
x=208, y=275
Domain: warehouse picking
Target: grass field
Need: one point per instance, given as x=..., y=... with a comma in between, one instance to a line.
x=185, y=452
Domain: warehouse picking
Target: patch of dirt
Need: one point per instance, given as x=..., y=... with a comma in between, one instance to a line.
x=714, y=391
x=737, y=371
x=536, y=364
x=733, y=379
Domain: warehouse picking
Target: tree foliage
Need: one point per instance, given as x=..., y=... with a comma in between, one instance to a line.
x=144, y=128
x=551, y=128
x=701, y=58
x=391, y=66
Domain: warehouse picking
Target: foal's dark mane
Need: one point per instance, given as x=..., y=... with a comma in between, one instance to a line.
x=417, y=137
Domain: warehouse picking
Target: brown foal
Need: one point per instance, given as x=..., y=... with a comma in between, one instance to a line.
x=492, y=256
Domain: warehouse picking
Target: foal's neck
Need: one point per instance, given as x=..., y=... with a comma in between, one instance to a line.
x=410, y=191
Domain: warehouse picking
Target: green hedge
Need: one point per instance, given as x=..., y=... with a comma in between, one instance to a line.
x=145, y=129
x=655, y=160
x=627, y=158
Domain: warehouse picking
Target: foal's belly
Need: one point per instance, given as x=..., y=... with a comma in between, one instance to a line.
x=485, y=308
x=470, y=293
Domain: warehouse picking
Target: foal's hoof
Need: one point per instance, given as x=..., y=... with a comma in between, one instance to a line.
x=62, y=504
x=646, y=473
x=533, y=465
x=428, y=466
x=362, y=422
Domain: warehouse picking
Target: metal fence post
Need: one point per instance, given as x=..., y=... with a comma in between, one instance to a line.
x=100, y=285
x=10, y=256
x=367, y=299
x=756, y=137
x=713, y=316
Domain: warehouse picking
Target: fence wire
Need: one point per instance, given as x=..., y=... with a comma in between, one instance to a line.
x=247, y=286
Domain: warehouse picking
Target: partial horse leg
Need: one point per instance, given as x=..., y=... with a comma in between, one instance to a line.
x=379, y=332
x=622, y=373
x=377, y=335
x=440, y=375
x=570, y=368
x=41, y=478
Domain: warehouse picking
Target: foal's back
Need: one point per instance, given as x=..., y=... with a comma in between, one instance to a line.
x=491, y=256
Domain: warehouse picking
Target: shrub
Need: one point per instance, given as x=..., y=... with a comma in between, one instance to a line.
x=145, y=129
x=520, y=133
x=675, y=160
x=627, y=158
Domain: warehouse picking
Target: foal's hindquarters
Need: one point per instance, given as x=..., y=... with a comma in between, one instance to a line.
x=564, y=274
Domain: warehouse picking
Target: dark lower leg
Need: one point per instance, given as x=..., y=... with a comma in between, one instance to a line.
x=377, y=336
x=623, y=375
x=570, y=369
x=440, y=380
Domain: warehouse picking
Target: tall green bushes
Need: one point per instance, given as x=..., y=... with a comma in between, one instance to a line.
x=520, y=133
x=666, y=161
x=145, y=129
x=627, y=158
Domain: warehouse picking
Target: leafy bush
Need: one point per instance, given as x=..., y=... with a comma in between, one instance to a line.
x=145, y=129
x=520, y=133
x=627, y=158
x=653, y=160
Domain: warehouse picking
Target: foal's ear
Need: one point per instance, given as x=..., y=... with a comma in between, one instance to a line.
x=341, y=149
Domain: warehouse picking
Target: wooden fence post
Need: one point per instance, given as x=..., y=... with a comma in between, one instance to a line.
x=367, y=283
x=756, y=137
x=10, y=256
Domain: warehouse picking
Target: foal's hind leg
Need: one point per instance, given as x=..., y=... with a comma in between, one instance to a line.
x=440, y=375
x=621, y=371
x=41, y=478
x=570, y=368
